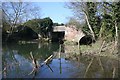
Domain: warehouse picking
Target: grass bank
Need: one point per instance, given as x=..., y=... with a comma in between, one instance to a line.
x=99, y=48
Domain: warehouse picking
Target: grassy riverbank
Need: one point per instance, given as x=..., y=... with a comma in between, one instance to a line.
x=99, y=48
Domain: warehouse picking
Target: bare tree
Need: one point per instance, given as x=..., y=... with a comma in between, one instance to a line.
x=80, y=9
x=18, y=12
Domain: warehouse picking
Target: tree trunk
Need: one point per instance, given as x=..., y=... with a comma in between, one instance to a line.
x=100, y=32
x=93, y=35
x=116, y=34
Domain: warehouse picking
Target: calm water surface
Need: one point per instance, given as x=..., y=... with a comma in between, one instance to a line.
x=17, y=63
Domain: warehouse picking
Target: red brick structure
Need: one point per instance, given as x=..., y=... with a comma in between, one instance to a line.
x=71, y=33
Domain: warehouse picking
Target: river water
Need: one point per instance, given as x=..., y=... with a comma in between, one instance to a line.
x=16, y=63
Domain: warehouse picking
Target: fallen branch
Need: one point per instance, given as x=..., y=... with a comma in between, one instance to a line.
x=5, y=68
x=47, y=60
x=35, y=63
x=101, y=47
x=107, y=46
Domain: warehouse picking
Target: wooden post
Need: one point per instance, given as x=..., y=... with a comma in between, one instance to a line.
x=79, y=48
x=60, y=58
x=60, y=52
x=60, y=66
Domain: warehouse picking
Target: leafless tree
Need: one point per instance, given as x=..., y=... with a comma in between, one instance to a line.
x=80, y=11
x=19, y=12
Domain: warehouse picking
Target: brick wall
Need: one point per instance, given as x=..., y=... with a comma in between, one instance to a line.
x=71, y=34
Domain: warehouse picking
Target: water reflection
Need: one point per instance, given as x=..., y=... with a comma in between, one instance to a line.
x=39, y=60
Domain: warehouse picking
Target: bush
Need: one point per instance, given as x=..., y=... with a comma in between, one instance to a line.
x=26, y=33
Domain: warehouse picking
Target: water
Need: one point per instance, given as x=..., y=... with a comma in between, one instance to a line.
x=16, y=63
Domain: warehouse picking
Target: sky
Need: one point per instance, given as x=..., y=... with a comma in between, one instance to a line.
x=57, y=11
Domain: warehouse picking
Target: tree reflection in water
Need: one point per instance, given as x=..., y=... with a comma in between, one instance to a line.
x=17, y=63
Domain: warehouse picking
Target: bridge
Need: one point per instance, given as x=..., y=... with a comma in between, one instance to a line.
x=69, y=33
x=58, y=33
